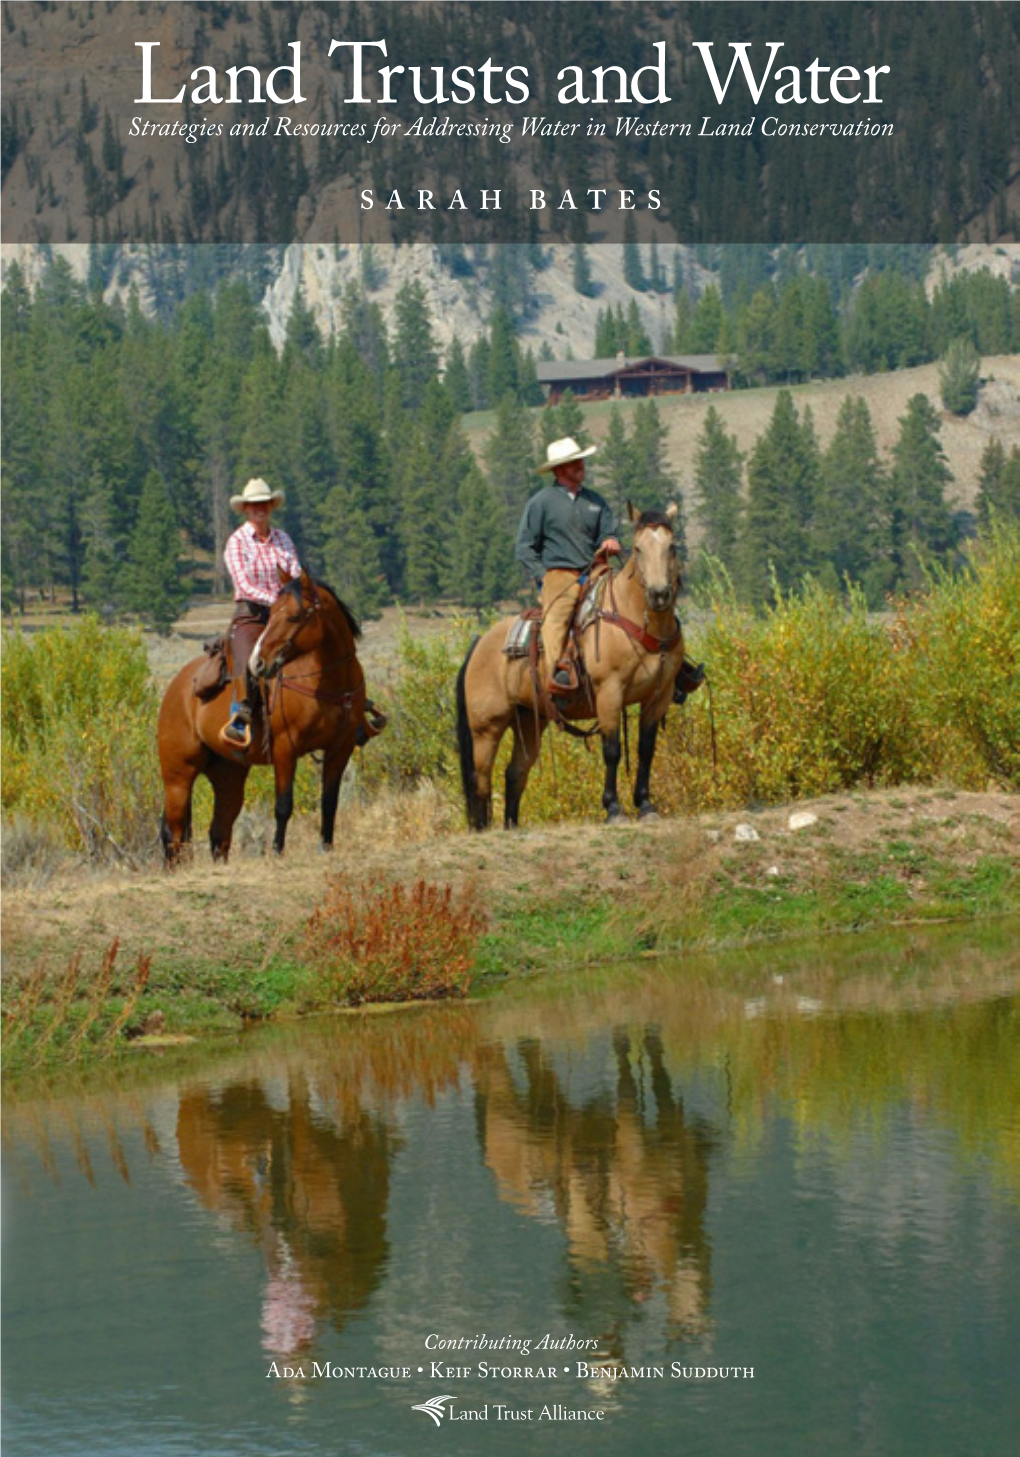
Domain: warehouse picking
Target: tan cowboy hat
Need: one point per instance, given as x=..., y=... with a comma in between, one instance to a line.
x=254, y=493
x=562, y=452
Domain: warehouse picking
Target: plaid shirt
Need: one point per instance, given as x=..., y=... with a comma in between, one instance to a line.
x=252, y=563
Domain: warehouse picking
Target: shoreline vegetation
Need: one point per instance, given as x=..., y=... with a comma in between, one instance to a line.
x=895, y=741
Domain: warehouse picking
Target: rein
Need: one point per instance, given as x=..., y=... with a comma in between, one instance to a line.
x=641, y=635
x=636, y=631
x=343, y=699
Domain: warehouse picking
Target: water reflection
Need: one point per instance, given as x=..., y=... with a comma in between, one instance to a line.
x=620, y=1169
x=310, y=1191
x=669, y=1161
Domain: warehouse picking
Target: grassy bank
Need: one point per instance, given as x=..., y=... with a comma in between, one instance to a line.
x=227, y=946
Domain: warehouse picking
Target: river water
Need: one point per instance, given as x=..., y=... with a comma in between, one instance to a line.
x=780, y=1191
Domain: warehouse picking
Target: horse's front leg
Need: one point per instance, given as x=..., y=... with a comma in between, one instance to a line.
x=333, y=768
x=285, y=768
x=610, y=714
x=646, y=752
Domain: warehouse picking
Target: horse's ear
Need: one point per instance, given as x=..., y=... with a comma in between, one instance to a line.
x=632, y=515
x=283, y=575
x=671, y=510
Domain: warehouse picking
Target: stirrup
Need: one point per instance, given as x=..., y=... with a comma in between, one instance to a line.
x=569, y=671
x=237, y=730
x=372, y=724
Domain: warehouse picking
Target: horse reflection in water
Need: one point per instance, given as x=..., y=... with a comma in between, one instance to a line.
x=311, y=1192
x=629, y=1190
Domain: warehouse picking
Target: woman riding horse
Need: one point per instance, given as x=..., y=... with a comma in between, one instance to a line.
x=255, y=555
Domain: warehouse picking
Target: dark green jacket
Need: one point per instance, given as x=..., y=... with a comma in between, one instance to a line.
x=557, y=531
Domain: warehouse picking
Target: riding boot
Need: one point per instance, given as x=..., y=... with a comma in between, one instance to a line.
x=564, y=679
x=237, y=730
x=688, y=680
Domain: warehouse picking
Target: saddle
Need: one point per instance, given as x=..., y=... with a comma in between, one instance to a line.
x=524, y=640
x=214, y=674
x=525, y=632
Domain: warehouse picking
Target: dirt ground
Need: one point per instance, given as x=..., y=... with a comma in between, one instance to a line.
x=247, y=910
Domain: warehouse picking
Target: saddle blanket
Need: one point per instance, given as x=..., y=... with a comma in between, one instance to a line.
x=518, y=638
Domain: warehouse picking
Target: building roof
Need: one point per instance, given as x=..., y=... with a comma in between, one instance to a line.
x=550, y=370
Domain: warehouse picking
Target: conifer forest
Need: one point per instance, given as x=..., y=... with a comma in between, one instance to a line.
x=127, y=428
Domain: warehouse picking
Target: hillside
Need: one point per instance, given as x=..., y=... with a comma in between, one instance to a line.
x=558, y=318
x=746, y=414
x=75, y=165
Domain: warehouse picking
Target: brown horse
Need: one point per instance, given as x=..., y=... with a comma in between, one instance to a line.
x=632, y=651
x=318, y=704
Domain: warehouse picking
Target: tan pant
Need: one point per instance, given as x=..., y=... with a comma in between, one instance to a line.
x=560, y=591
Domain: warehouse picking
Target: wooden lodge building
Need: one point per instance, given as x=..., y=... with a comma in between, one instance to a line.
x=623, y=378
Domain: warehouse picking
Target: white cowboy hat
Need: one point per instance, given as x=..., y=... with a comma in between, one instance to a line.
x=562, y=452
x=254, y=493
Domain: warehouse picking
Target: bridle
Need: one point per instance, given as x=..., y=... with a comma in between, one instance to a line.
x=305, y=613
x=674, y=572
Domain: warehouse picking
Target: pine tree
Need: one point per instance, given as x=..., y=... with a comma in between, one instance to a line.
x=102, y=576
x=633, y=270
x=155, y=586
x=583, y=283
x=614, y=467
x=781, y=487
x=683, y=316
x=921, y=519
x=455, y=377
x=510, y=461
x=502, y=356
x=959, y=377
x=481, y=548
x=756, y=337
x=478, y=373
x=415, y=354
x=850, y=528
x=636, y=341
x=302, y=341
x=351, y=560
x=718, y=466
x=562, y=419
x=706, y=323
x=652, y=485
x=998, y=483
x=529, y=390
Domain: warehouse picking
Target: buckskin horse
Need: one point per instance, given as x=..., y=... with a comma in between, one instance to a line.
x=317, y=705
x=632, y=650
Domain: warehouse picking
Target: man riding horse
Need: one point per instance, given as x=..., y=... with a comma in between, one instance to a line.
x=253, y=554
x=565, y=528
x=565, y=531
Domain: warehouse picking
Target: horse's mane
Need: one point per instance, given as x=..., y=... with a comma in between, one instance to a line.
x=294, y=587
x=653, y=518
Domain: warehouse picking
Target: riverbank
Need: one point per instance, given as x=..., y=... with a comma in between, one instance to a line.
x=226, y=943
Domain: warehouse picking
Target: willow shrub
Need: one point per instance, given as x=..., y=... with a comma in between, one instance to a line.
x=962, y=641
x=815, y=695
x=78, y=737
x=808, y=698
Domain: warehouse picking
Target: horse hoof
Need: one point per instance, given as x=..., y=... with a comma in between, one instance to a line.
x=648, y=812
x=615, y=817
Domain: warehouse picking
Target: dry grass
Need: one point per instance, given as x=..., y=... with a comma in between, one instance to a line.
x=223, y=912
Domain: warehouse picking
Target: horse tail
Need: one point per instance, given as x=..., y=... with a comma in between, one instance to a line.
x=465, y=743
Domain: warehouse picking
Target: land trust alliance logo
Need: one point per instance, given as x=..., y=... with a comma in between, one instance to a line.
x=434, y=1408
